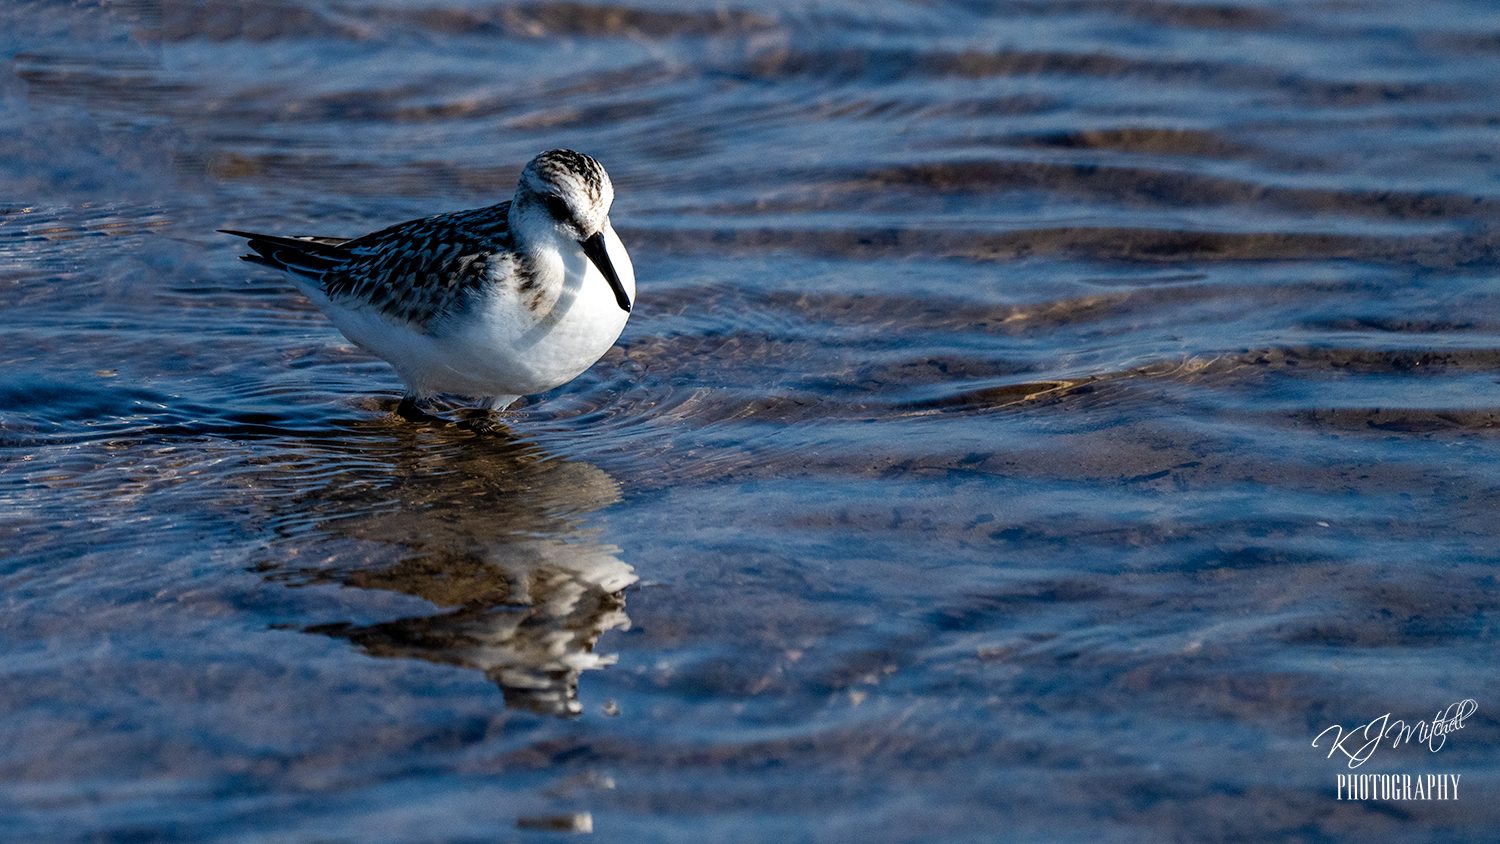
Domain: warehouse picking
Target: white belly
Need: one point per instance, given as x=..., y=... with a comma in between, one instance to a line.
x=510, y=343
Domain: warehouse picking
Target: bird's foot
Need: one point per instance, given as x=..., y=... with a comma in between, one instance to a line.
x=482, y=421
x=411, y=410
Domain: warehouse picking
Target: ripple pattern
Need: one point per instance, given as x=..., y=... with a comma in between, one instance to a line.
x=1040, y=419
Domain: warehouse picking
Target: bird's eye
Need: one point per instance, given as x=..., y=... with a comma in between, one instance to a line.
x=559, y=208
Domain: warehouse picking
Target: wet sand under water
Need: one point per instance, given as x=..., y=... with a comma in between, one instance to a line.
x=1040, y=420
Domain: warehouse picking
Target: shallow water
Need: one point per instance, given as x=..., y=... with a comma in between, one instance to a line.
x=1039, y=420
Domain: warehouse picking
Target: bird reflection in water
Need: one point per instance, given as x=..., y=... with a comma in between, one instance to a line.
x=478, y=523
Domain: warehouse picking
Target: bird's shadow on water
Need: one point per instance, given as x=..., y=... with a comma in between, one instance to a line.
x=485, y=527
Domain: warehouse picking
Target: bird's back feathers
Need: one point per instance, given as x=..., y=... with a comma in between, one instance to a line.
x=415, y=271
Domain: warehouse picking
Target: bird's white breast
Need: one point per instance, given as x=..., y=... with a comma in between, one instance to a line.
x=517, y=341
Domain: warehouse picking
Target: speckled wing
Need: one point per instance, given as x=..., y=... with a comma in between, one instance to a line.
x=415, y=271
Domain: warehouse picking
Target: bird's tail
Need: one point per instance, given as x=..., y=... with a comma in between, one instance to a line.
x=312, y=257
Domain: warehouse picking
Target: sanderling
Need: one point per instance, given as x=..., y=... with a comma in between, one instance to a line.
x=492, y=303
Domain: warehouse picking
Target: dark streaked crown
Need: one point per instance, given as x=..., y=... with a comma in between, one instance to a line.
x=572, y=186
x=564, y=167
x=558, y=162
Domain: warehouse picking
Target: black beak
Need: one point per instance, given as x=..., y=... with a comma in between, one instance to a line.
x=594, y=248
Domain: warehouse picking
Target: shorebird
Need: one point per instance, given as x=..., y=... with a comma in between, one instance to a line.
x=492, y=303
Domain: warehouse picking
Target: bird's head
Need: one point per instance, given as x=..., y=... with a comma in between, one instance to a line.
x=571, y=193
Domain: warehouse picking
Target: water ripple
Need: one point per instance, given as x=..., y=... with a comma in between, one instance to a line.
x=1022, y=398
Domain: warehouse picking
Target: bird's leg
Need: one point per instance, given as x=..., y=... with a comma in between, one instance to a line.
x=411, y=409
x=495, y=404
x=486, y=418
